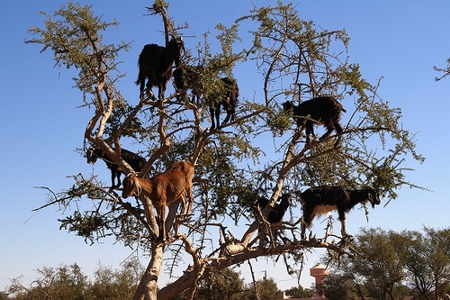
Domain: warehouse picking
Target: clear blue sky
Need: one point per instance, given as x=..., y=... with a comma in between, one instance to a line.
x=398, y=40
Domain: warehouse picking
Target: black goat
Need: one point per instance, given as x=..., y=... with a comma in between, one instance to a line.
x=225, y=94
x=229, y=102
x=155, y=63
x=189, y=77
x=320, y=110
x=322, y=200
x=135, y=161
x=278, y=211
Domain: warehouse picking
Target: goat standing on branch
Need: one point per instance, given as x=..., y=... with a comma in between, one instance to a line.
x=224, y=95
x=189, y=77
x=278, y=211
x=317, y=201
x=163, y=189
x=135, y=161
x=320, y=110
x=156, y=62
x=228, y=99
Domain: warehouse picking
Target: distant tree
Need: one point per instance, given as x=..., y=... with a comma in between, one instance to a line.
x=339, y=287
x=300, y=292
x=292, y=59
x=225, y=284
x=427, y=263
x=64, y=282
x=265, y=289
x=109, y=284
x=440, y=238
x=69, y=282
x=392, y=265
x=378, y=265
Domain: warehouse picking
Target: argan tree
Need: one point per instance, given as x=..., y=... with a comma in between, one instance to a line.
x=294, y=60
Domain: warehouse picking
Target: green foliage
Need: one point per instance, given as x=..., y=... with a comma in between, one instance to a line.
x=284, y=47
x=73, y=35
x=264, y=289
x=225, y=284
x=112, y=284
x=379, y=262
x=69, y=283
x=391, y=265
x=428, y=263
x=64, y=282
x=338, y=287
x=300, y=292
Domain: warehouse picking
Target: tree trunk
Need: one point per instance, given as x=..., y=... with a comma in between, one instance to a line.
x=148, y=287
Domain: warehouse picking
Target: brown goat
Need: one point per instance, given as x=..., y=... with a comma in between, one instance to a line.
x=163, y=189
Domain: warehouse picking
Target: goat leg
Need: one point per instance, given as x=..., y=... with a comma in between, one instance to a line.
x=309, y=132
x=342, y=218
x=339, y=132
x=227, y=118
x=212, y=113
x=326, y=134
x=162, y=223
x=172, y=220
x=303, y=229
x=343, y=231
x=183, y=204
x=191, y=200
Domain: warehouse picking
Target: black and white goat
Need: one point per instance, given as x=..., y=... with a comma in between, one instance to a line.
x=228, y=100
x=135, y=161
x=156, y=62
x=323, y=110
x=278, y=211
x=322, y=200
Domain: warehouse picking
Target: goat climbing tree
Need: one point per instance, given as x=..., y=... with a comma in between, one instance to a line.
x=297, y=61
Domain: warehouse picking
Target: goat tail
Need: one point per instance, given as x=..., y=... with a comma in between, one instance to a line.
x=138, y=81
x=140, y=77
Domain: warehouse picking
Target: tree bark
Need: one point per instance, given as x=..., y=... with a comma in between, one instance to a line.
x=148, y=287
